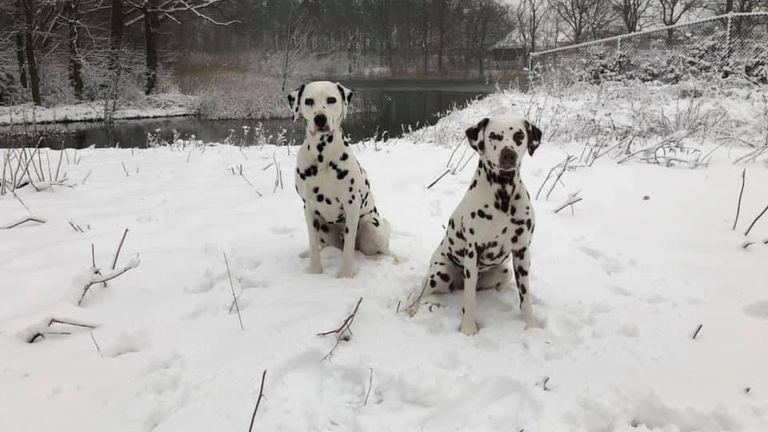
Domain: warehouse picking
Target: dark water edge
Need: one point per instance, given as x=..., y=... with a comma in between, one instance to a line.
x=389, y=107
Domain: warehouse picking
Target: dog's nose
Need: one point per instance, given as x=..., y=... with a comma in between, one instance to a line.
x=507, y=158
x=321, y=120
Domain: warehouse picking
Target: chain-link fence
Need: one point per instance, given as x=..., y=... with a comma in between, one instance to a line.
x=726, y=45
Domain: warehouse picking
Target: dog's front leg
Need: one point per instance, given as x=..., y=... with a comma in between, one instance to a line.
x=522, y=262
x=352, y=216
x=468, y=322
x=313, y=225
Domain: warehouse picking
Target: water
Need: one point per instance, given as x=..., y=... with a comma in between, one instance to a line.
x=387, y=108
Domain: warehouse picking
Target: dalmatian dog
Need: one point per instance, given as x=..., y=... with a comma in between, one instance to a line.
x=492, y=226
x=338, y=203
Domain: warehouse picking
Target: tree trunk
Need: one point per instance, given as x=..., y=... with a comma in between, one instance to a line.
x=116, y=30
x=425, y=37
x=21, y=59
x=29, y=49
x=75, y=63
x=150, y=41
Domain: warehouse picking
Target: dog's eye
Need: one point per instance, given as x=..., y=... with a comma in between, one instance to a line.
x=331, y=100
x=518, y=137
x=309, y=102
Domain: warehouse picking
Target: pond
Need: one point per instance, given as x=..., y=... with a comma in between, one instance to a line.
x=385, y=108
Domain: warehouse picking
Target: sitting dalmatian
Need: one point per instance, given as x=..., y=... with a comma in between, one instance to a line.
x=338, y=203
x=492, y=225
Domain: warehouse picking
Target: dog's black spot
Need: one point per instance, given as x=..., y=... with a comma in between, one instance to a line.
x=432, y=283
x=481, y=145
x=316, y=189
x=518, y=137
x=519, y=231
x=328, y=201
x=344, y=156
x=472, y=215
x=444, y=277
x=502, y=200
x=471, y=231
x=474, y=183
x=320, y=197
x=320, y=158
x=521, y=271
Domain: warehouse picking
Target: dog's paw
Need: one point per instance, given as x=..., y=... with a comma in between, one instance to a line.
x=468, y=327
x=315, y=269
x=531, y=323
x=346, y=273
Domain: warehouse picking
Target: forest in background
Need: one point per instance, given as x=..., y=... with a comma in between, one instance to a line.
x=240, y=56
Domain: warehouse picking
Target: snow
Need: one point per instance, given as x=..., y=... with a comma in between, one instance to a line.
x=621, y=286
x=162, y=105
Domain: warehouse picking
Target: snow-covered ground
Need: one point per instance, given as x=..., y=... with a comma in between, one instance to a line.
x=621, y=285
x=163, y=105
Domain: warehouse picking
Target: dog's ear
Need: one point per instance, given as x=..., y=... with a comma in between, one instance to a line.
x=476, y=136
x=534, y=137
x=346, y=98
x=294, y=101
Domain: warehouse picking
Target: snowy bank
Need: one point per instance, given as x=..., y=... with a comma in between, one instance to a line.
x=163, y=105
x=622, y=283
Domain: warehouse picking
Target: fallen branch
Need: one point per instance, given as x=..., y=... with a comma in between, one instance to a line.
x=741, y=194
x=23, y=221
x=234, y=297
x=258, y=401
x=343, y=333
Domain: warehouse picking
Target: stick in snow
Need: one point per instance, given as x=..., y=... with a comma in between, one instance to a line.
x=41, y=334
x=572, y=199
x=696, y=333
x=97, y=279
x=370, y=385
x=438, y=179
x=234, y=297
x=343, y=333
x=120, y=246
x=752, y=225
x=23, y=221
x=741, y=194
x=258, y=401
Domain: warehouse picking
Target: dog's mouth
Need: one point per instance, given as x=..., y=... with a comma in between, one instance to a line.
x=320, y=130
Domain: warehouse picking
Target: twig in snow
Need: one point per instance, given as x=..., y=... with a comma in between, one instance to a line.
x=35, y=336
x=544, y=384
x=741, y=194
x=696, y=333
x=106, y=278
x=559, y=175
x=343, y=333
x=125, y=169
x=752, y=225
x=23, y=221
x=234, y=297
x=546, y=179
x=120, y=246
x=258, y=401
x=570, y=201
x=85, y=179
x=96, y=344
x=438, y=179
x=370, y=385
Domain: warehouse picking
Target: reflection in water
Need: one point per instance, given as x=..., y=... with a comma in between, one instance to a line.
x=388, y=108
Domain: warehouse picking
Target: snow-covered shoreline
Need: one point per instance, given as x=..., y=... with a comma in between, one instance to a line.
x=621, y=284
x=156, y=106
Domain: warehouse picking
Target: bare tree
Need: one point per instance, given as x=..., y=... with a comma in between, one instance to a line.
x=673, y=10
x=530, y=15
x=631, y=12
x=576, y=15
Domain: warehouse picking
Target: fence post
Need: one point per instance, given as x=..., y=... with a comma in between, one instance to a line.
x=530, y=71
x=728, y=40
